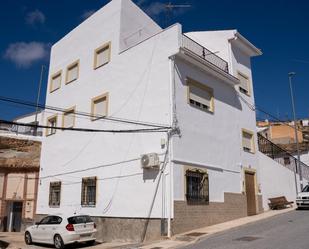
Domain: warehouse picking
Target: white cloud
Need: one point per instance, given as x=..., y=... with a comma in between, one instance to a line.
x=34, y=17
x=87, y=14
x=25, y=54
x=155, y=9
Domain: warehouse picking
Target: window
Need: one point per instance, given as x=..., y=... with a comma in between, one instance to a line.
x=51, y=220
x=99, y=106
x=54, y=194
x=102, y=55
x=244, y=83
x=197, y=186
x=55, y=82
x=89, y=186
x=72, y=72
x=51, y=123
x=200, y=96
x=68, y=119
x=287, y=160
x=248, y=141
x=80, y=219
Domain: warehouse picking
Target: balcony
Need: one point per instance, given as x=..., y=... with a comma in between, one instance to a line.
x=204, y=53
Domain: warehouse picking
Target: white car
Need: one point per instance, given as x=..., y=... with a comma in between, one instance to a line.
x=59, y=230
x=302, y=199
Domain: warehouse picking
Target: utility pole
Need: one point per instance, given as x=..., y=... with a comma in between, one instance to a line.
x=291, y=74
x=38, y=101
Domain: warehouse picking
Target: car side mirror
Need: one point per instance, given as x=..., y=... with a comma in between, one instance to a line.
x=37, y=223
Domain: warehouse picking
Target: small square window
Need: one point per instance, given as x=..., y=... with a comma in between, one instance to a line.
x=72, y=72
x=51, y=123
x=89, y=188
x=200, y=96
x=248, y=141
x=102, y=55
x=244, y=86
x=54, y=194
x=68, y=119
x=99, y=106
x=55, y=82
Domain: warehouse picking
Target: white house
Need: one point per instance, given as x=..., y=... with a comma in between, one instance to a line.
x=129, y=75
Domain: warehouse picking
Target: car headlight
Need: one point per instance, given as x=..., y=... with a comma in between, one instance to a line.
x=298, y=198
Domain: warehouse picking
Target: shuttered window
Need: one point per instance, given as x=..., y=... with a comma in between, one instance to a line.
x=244, y=83
x=99, y=106
x=89, y=188
x=68, y=118
x=102, y=55
x=55, y=82
x=54, y=194
x=72, y=72
x=248, y=141
x=200, y=96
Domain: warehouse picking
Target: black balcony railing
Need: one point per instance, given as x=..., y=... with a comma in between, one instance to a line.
x=204, y=53
x=281, y=156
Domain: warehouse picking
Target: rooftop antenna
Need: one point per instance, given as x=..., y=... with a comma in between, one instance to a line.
x=169, y=7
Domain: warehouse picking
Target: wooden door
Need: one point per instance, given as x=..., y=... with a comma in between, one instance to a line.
x=250, y=193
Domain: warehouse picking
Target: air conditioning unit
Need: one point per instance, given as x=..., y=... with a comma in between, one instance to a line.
x=150, y=161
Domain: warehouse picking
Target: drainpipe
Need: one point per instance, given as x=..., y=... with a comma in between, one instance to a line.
x=170, y=143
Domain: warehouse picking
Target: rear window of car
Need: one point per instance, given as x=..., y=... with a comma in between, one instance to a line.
x=80, y=219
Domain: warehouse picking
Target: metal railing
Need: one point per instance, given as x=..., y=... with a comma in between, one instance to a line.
x=20, y=130
x=281, y=156
x=204, y=53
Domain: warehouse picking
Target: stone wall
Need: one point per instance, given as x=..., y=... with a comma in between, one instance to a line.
x=127, y=229
x=188, y=217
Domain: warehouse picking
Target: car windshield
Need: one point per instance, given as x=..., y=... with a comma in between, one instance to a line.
x=306, y=189
x=79, y=219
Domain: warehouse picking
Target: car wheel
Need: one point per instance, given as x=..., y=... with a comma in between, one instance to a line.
x=90, y=243
x=28, y=239
x=58, y=242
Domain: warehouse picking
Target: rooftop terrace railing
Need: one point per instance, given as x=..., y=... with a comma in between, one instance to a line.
x=20, y=130
x=204, y=53
x=281, y=156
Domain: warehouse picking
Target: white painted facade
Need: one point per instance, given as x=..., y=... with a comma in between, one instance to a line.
x=146, y=82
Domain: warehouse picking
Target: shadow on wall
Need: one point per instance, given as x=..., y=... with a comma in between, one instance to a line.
x=150, y=174
x=222, y=91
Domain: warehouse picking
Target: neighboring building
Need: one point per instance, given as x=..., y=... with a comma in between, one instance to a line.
x=31, y=118
x=280, y=132
x=129, y=74
x=19, y=171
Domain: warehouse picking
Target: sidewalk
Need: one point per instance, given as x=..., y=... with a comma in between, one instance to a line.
x=16, y=240
x=193, y=236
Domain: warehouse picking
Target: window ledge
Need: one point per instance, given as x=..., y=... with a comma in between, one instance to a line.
x=68, y=82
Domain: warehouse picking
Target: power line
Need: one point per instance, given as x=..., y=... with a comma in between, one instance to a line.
x=86, y=129
x=255, y=107
x=28, y=103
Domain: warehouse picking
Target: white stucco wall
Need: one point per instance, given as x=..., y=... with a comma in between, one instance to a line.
x=214, y=141
x=275, y=180
x=138, y=83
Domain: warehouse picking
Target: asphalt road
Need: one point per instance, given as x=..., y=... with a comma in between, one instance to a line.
x=285, y=231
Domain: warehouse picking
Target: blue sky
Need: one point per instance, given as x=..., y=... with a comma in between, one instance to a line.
x=279, y=28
